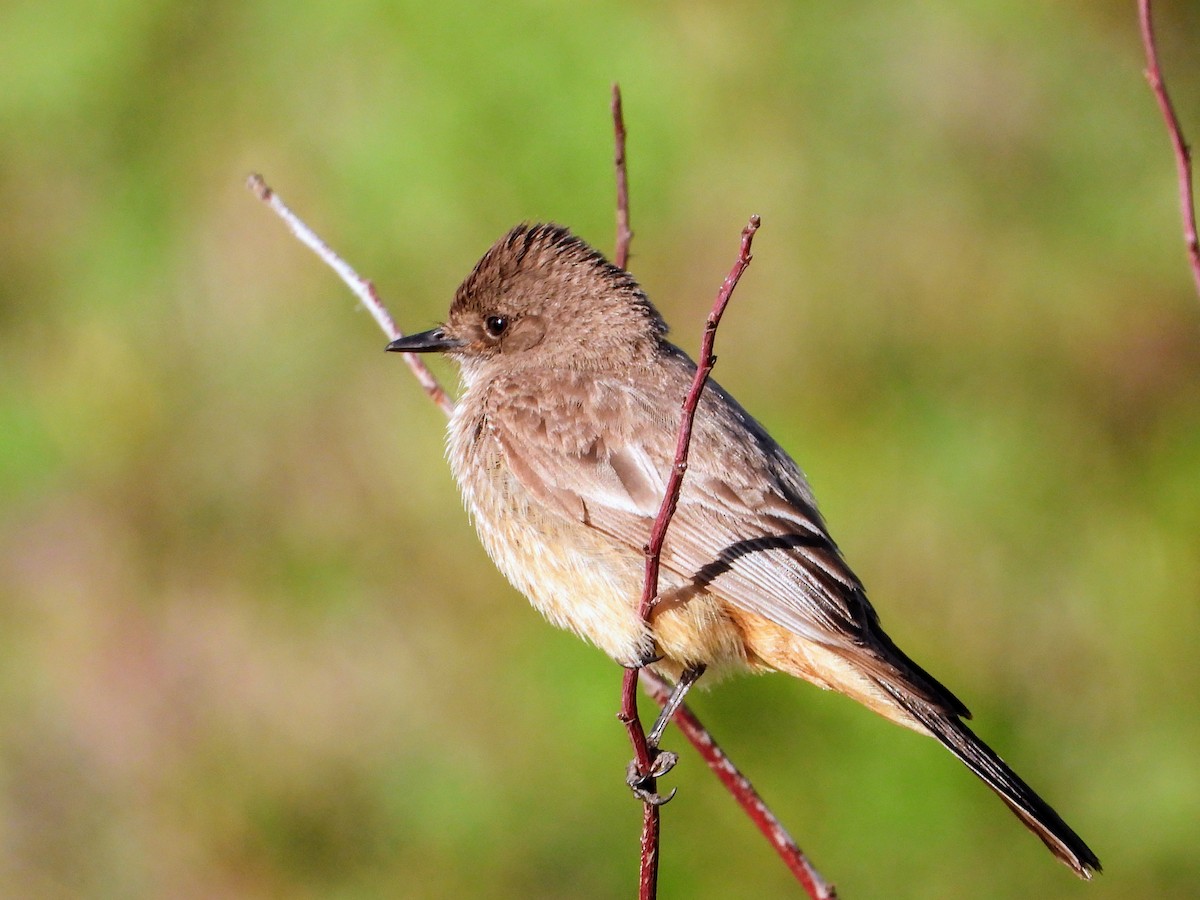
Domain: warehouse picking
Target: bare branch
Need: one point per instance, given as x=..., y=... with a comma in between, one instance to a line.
x=363, y=289
x=624, y=235
x=690, y=726
x=704, y=366
x=628, y=715
x=643, y=762
x=651, y=815
x=1183, y=156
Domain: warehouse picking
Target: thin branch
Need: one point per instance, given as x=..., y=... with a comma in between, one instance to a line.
x=704, y=367
x=637, y=736
x=651, y=815
x=643, y=763
x=690, y=726
x=648, y=864
x=624, y=235
x=1183, y=156
x=743, y=791
x=363, y=289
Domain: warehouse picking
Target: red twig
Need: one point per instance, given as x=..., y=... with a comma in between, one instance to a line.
x=743, y=791
x=1183, y=156
x=648, y=867
x=624, y=235
x=363, y=288
x=690, y=726
x=658, y=534
x=704, y=366
x=651, y=816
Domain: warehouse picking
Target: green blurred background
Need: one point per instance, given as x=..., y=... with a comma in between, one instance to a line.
x=249, y=646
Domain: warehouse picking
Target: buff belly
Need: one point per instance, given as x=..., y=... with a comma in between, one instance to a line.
x=581, y=581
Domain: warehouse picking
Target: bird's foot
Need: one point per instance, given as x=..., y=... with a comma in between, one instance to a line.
x=643, y=783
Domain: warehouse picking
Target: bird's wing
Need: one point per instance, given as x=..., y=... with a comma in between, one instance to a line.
x=746, y=528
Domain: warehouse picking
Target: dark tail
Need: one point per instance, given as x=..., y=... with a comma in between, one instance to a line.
x=1031, y=809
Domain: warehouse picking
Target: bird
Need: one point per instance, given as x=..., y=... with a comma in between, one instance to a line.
x=561, y=443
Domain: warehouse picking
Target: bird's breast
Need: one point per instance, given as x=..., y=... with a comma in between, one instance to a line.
x=580, y=578
x=571, y=574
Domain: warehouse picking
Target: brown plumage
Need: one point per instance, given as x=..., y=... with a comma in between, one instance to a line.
x=561, y=443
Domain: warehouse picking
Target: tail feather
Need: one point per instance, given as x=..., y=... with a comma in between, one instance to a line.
x=1031, y=809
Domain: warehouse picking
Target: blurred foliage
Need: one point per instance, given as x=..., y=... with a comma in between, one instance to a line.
x=249, y=646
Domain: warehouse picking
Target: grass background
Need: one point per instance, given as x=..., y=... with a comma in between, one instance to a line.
x=249, y=646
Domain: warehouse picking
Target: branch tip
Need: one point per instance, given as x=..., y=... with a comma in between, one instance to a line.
x=258, y=187
x=362, y=288
x=1179, y=145
x=624, y=233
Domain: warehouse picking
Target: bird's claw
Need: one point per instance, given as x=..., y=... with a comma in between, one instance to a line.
x=639, y=782
x=642, y=662
x=664, y=762
x=654, y=799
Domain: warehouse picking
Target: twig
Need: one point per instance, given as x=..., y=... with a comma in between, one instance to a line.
x=1183, y=156
x=704, y=367
x=624, y=235
x=651, y=815
x=644, y=762
x=658, y=534
x=363, y=289
x=690, y=726
x=743, y=791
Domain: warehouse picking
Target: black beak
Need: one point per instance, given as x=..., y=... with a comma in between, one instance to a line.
x=434, y=341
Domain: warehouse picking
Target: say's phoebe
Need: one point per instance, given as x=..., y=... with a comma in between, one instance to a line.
x=562, y=441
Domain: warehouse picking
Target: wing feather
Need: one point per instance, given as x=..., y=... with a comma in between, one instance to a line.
x=746, y=529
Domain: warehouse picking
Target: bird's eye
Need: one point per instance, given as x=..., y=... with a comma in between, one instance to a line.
x=496, y=325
